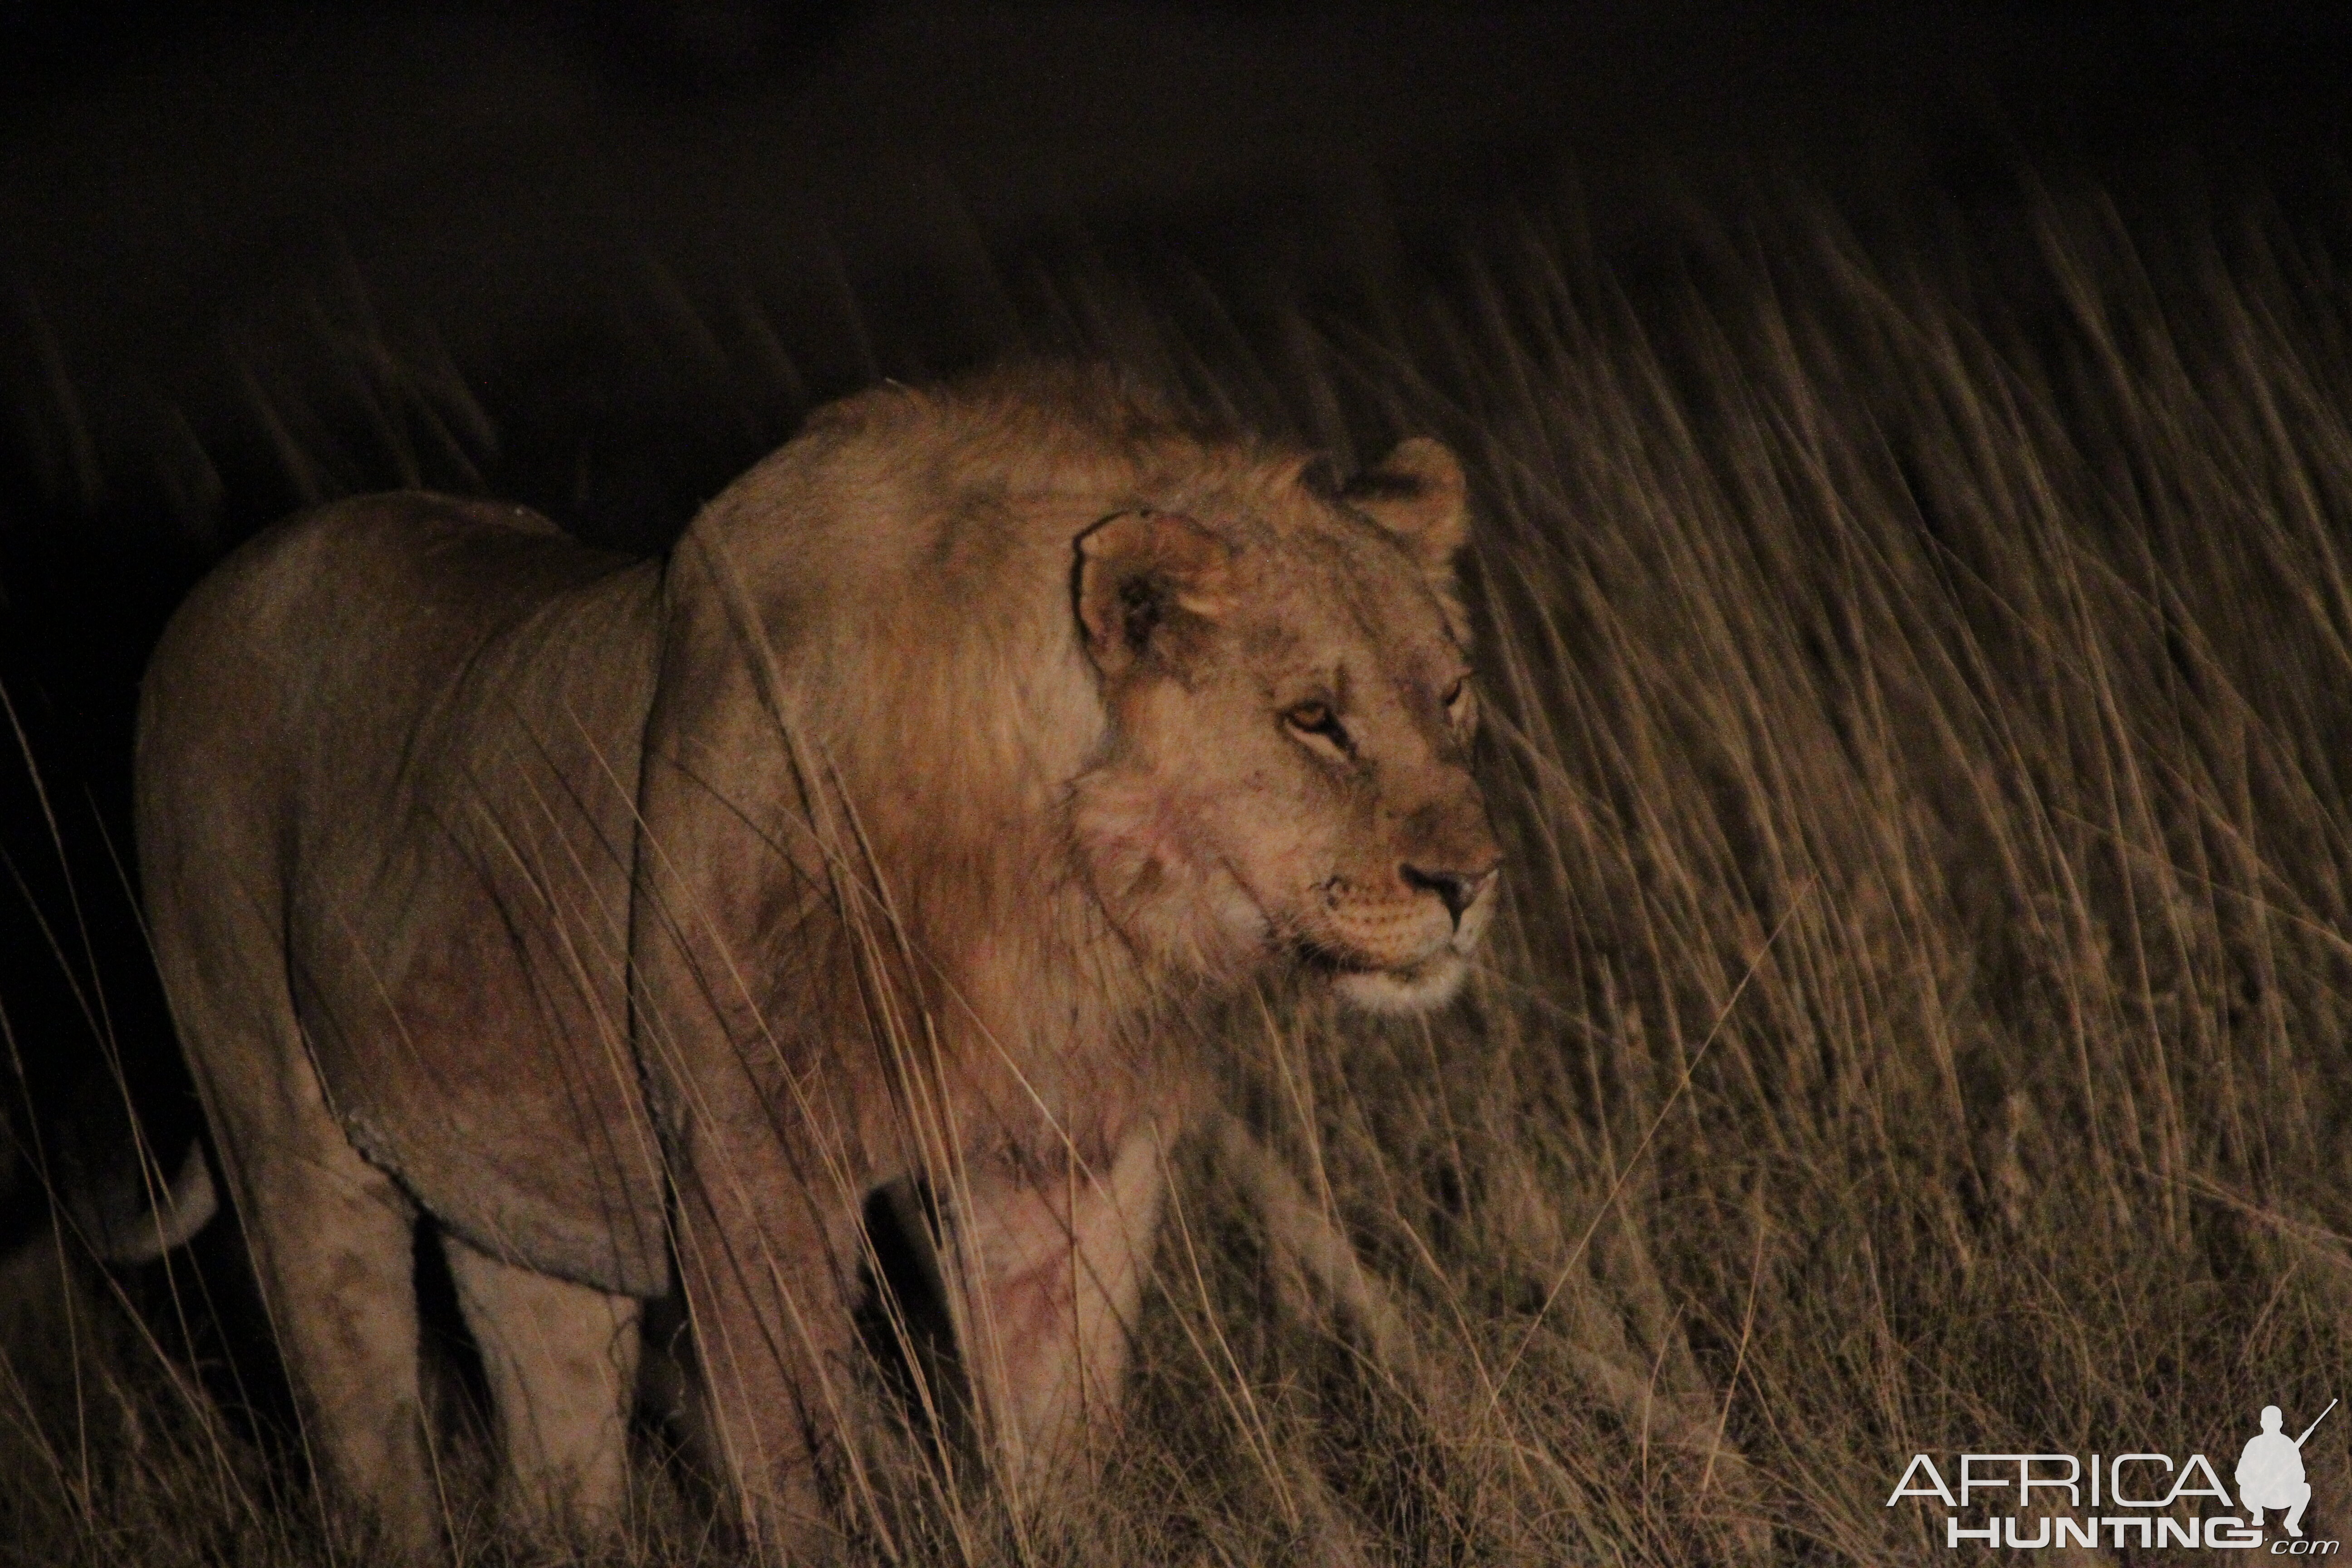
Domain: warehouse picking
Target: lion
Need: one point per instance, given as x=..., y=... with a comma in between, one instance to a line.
x=637, y=925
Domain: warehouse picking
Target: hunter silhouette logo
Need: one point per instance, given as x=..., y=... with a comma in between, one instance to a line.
x=2270, y=1472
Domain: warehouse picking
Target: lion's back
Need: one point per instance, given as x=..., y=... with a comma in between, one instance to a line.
x=291, y=672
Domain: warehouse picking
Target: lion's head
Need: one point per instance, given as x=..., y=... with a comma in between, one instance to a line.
x=1292, y=710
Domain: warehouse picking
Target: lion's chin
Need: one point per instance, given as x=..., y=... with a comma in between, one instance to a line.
x=1431, y=983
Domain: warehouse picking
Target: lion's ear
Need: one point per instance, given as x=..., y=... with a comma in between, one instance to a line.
x=1418, y=494
x=1144, y=579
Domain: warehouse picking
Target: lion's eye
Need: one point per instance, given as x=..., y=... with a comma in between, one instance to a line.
x=1456, y=692
x=1317, y=720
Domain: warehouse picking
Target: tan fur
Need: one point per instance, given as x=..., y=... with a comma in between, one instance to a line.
x=886, y=835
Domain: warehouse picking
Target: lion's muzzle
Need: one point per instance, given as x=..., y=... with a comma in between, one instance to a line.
x=1457, y=891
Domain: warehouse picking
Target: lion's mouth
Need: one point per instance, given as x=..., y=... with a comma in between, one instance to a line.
x=1320, y=957
x=1324, y=959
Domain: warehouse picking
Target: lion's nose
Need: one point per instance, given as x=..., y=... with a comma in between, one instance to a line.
x=1457, y=891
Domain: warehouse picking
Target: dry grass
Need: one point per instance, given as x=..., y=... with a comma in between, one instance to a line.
x=1919, y=678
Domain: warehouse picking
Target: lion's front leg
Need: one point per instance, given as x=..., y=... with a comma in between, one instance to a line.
x=769, y=1267
x=1046, y=1260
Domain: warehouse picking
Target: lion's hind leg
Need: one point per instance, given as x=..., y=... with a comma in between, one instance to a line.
x=561, y=1364
x=334, y=1245
x=332, y=1238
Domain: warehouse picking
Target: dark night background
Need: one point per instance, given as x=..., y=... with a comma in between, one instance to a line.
x=599, y=257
